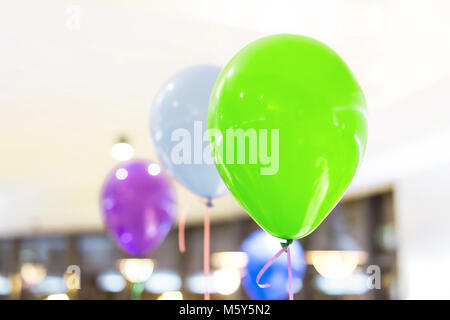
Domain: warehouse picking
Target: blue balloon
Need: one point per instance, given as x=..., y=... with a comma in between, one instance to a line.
x=260, y=248
x=178, y=128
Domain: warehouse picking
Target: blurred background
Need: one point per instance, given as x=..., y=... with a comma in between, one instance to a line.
x=77, y=77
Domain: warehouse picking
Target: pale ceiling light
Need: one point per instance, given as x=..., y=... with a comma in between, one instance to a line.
x=197, y=283
x=50, y=285
x=111, y=281
x=229, y=259
x=136, y=270
x=58, y=296
x=353, y=284
x=334, y=264
x=33, y=273
x=162, y=281
x=227, y=280
x=5, y=285
x=171, y=295
x=122, y=150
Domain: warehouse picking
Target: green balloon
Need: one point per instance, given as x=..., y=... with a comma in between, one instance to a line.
x=287, y=126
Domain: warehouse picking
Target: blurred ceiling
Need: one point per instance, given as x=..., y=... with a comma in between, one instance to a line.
x=66, y=94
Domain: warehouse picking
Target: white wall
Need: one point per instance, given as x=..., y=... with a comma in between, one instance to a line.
x=422, y=210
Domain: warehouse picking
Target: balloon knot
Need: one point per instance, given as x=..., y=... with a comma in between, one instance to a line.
x=209, y=203
x=286, y=244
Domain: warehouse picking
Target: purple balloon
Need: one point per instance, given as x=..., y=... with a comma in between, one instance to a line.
x=138, y=204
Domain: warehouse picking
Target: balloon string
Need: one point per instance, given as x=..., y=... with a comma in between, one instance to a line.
x=291, y=291
x=285, y=248
x=264, y=269
x=181, y=227
x=206, y=248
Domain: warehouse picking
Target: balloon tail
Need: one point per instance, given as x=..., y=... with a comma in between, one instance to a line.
x=291, y=291
x=267, y=265
x=206, y=248
x=285, y=248
x=181, y=227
